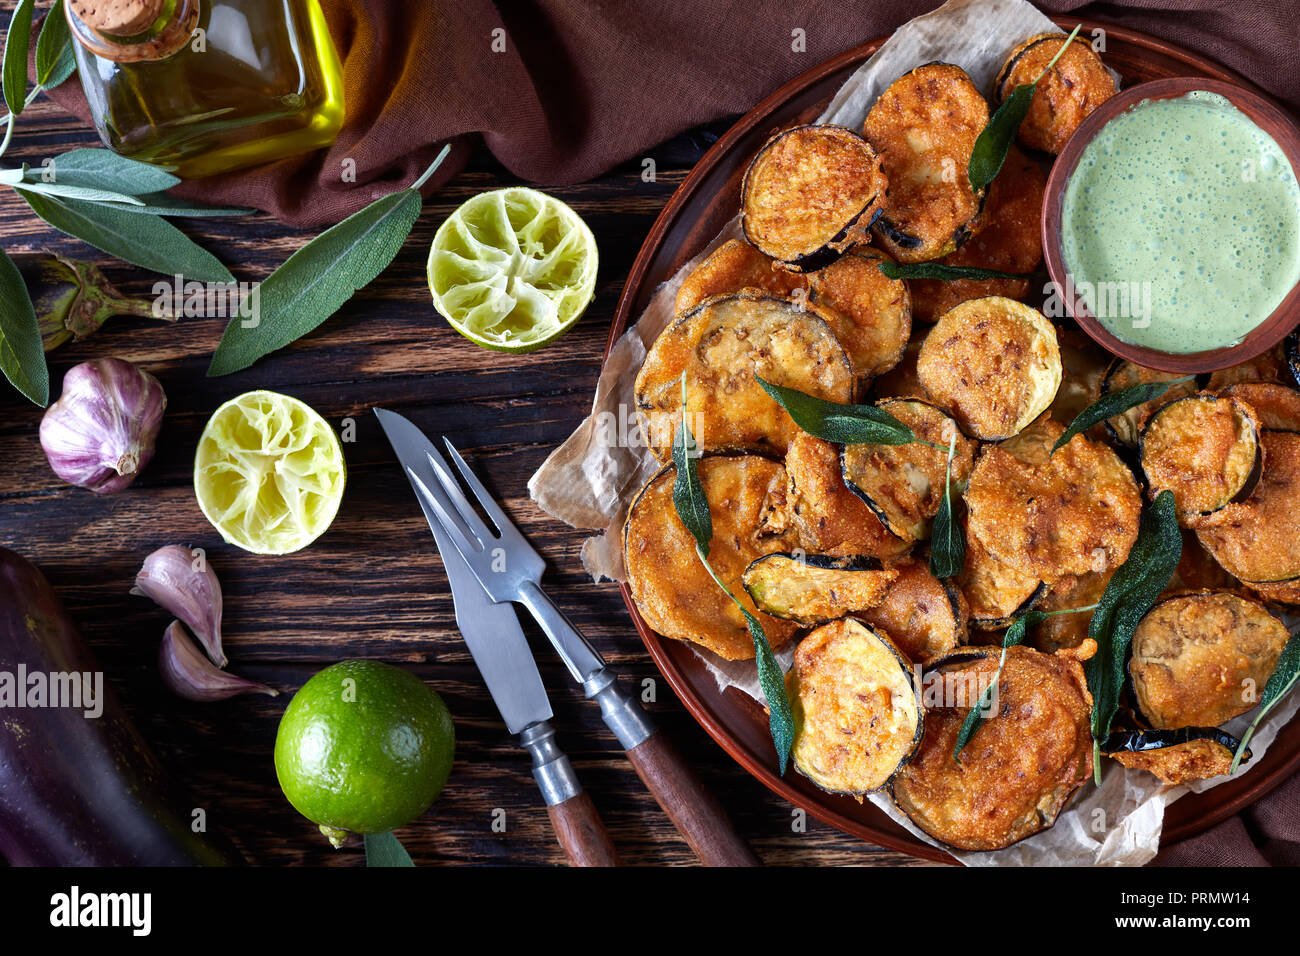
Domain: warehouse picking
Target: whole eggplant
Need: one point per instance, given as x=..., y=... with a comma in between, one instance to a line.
x=78, y=790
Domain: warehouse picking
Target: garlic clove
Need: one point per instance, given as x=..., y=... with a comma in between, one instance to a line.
x=179, y=581
x=187, y=672
x=101, y=432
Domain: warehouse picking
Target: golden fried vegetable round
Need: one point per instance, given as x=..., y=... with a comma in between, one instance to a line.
x=1277, y=406
x=922, y=615
x=1268, y=367
x=996, y=592
x=875, y=311
x=733, y=266
x=993, y=363
x=924, y=127
x=1075, y=86
x=1023, y=764
x=810, y=193
x=1125, y=427
x=1176, y=756
x=672, y=590
x=857, y=715
x=1201, y=659
x=721, y=346
x=1062, y=631
x=814, y=588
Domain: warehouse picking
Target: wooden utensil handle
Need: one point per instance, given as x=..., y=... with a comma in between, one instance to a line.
x=694, y=811
x=581, y=832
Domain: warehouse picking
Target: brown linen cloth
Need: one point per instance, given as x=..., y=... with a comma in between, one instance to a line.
x=582, y=85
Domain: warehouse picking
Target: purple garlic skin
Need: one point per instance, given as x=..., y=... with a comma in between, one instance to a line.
x=178, y=581
x=101, y=432
x=188, y=673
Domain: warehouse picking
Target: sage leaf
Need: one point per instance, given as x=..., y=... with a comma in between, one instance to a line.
x=1132, y=590
x=85, y=193
x=688, y=494
x=975, y=718
x=994, y=141
x=846, y=424
x=384, y=849
x=54, y=59
x=17, y=43
x=22, y=357
x=1116, y=403
x=937, y=270
x=1284, y=677
x=947, y=541
x=104, y=170
x=161, y=204
x=145, y=241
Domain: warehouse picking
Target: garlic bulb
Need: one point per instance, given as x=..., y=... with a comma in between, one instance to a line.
x=185, y=585
x=101, y=431
x=191, y=675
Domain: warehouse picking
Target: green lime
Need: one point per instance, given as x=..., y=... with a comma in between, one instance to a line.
x=269, y=473
x=512, y=269
x=363, y=747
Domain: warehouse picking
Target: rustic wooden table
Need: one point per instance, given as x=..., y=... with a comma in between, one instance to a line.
x=372, y=586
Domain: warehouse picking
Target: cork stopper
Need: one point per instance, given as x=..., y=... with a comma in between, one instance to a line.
x=122, y=18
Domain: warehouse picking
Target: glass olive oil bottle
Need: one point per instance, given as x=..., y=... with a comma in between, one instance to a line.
x=208, y=86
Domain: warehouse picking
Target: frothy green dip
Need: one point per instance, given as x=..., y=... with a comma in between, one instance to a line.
x=1180, y=225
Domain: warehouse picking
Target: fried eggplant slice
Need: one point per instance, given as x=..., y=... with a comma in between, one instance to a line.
x=1024, y=762
x=996, y=593
x=994, y=363
x=733, y=266
x=810, y=193
x=857, y=714
x=1201, y=659
x=1176, y=756
x=924, y=127
x=1125, y=428
x=903, y=484
x=720, y=346
x=1062, y=631
x=1277, y=406
x=826, y=516
x=922, y=615
x=672, y=590
x=1010, y=241
x=875, y=311
x=1255, y=541
x=1205, y=450
x=814, y=588
x=1271, y=366
x=1074, y=513
x=1196, y=570
x=1075, y=86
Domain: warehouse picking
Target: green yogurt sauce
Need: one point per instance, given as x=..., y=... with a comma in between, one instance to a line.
x=1180, y=224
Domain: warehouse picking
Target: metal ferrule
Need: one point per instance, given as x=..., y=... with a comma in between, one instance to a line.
x=621, y=713
x=551, y=768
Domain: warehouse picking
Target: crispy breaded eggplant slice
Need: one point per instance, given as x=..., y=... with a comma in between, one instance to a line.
x=1268, y=367
x=814, y=588
x=1010, y=241
x=1075, y=86
x=720, y=346
x=875, y=311
x=1205, y=450
x=672, y=590
x=1255, y=541
x=1074, y=513
x=1176, y=756
x=1201, y=659
x=924, y=127
x=733, y=266
x=1124, y=428
x=922, y=615
x=994, y=363
x=857, y=714
x=903, y=484
x=1277, y=406
x=1024, y=762
x=826, y=516
x=996, y=593
x=1062, y=631
x=810, y=193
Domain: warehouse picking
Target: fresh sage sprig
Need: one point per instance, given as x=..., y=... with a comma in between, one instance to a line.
x=845, y=424
x=947, y=542
x=22, y=356
x=54, y=59
x=944, y=273
x=1132, y=590
x=692, y=508
x=994, y=142
x=1284, y=677
x=384, y=849
x=315, y=281
x=1116, y=403
x=17, y=43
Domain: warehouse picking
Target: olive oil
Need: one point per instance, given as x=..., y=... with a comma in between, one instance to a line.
x=207, y=86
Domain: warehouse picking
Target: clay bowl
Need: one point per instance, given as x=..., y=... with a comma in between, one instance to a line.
x=1265, y=114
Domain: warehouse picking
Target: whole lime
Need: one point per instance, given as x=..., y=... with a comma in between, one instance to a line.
x=363, y=747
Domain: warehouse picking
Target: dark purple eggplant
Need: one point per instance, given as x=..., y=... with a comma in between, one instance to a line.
x=78, y=790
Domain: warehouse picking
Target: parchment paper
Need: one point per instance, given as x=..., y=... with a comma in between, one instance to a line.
x=589, y=481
